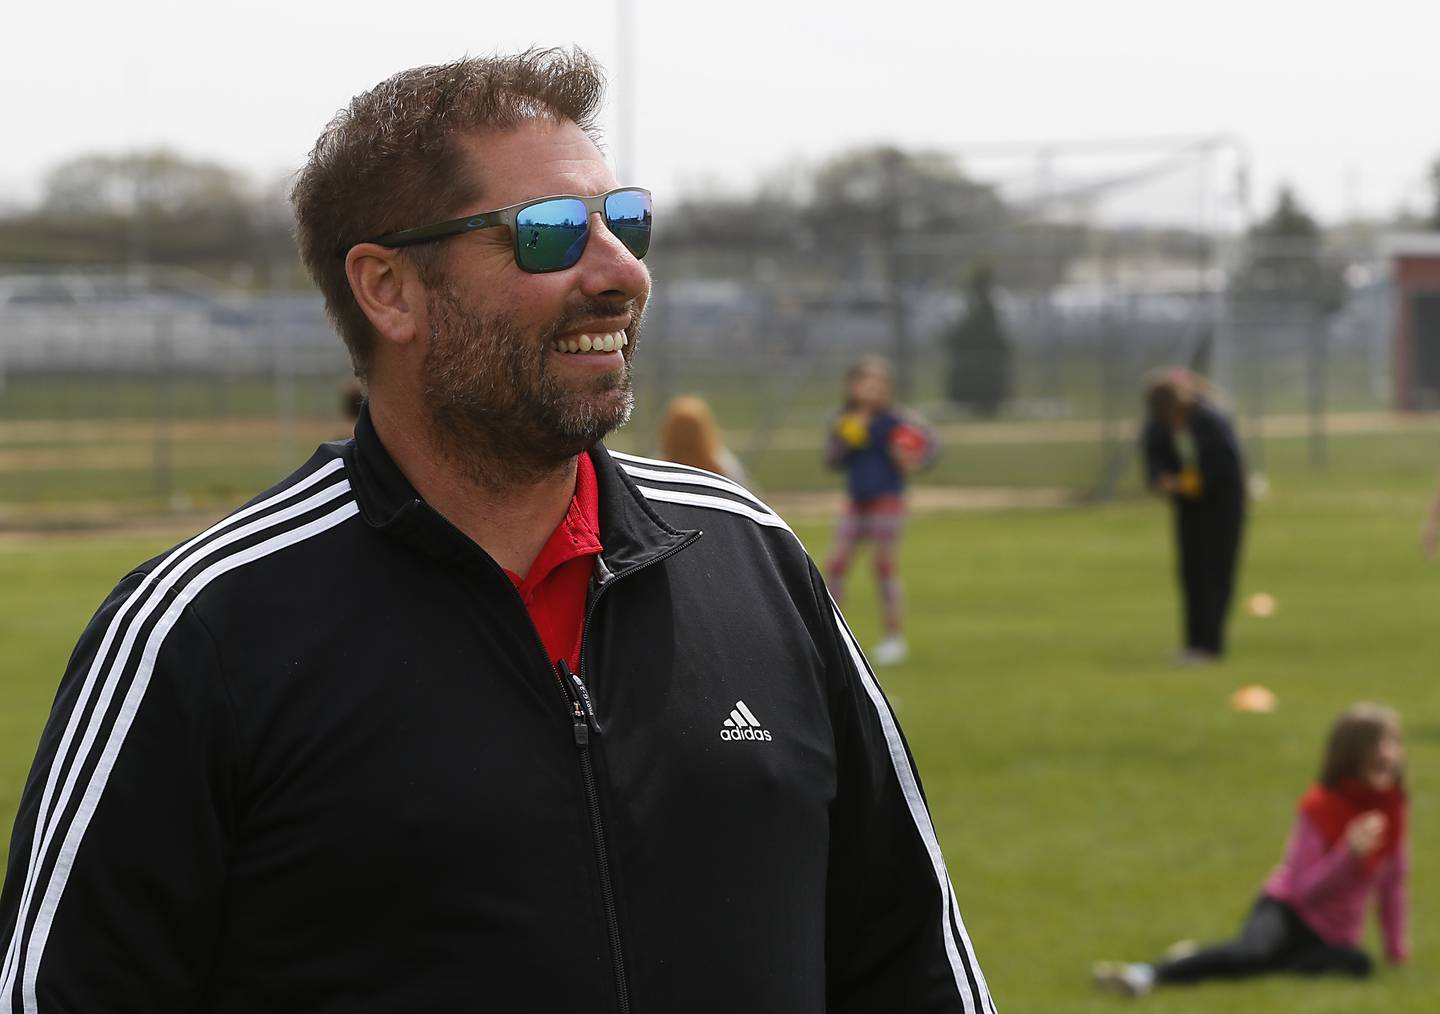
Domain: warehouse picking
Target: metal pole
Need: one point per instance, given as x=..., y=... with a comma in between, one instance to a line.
x=625, y=151
x=1316, y=369
x=165, y=409
x=1257, y=411
x=894, y=270
x=1223, y=354
x=284, y=366
x=1109, y=326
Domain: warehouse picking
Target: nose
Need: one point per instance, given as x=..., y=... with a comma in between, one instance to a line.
x=608, y=268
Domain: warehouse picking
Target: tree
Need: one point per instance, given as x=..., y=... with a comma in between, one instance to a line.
x=869, y=199
x=153, y=207
x=890, y=222
x=157, y=183
x=1285, y=261
x=979, y=374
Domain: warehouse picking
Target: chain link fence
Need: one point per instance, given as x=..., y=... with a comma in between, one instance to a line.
x=129, y=392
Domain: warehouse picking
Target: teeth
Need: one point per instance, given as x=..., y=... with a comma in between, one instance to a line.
x=612, y=342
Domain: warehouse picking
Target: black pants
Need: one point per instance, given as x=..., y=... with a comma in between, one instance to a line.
x=1209, y=543
x=1273, y=939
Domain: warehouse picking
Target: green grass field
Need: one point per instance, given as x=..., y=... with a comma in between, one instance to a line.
x=1093, y=800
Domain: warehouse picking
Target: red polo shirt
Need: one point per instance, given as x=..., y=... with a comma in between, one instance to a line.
x=555, y=588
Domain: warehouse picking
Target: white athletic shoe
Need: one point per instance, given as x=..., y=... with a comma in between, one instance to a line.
x=1124, y=977
x=891, y=651
x=1181, y=949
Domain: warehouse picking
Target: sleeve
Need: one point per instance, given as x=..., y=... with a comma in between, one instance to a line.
x=931, y=435
x=1316, y=867
x=116, y=871
x=836, y=450
x=894, y=936
x=1393, y=909
x=1157, y=453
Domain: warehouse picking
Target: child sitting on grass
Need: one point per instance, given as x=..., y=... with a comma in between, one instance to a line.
x=1348, y=843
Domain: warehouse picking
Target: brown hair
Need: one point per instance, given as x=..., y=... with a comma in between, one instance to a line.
x=391, y=160
x=1354, y=738
x=689, y=436
x=1167, y=388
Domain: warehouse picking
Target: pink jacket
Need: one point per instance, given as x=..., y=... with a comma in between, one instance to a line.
x=1328, y=888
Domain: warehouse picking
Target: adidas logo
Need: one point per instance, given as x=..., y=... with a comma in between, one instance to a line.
x=742, y=724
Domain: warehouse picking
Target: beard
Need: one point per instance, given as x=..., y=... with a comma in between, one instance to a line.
x=495, y=408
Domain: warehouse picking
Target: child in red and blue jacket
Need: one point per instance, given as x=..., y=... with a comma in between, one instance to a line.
x=879, y=445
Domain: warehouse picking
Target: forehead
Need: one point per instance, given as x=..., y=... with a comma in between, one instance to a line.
x=536, y=159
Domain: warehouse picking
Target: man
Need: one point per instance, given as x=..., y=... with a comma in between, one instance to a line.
x=1193, y=457
x=469, y=713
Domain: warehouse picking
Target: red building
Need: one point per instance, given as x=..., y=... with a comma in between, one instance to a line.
x=1414, y=262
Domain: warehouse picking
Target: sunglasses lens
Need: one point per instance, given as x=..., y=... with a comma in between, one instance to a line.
x=550, y=235
x=627, y=215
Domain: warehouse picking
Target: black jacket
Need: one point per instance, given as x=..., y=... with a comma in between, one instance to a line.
x=1218, y=459
x=316, y=760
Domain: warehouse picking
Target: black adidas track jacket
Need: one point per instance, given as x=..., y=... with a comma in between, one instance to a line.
x=316, y=760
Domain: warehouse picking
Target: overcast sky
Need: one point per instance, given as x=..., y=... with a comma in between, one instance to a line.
x=1334, y=97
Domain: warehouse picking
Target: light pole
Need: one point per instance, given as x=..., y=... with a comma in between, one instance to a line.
x=625, y=150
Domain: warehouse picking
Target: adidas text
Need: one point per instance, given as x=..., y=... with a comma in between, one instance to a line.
x=739, y=734
x=742, y=725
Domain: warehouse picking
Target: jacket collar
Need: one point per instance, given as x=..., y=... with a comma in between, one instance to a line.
x=632, y=533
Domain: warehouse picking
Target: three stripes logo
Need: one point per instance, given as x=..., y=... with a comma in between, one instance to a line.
x=743, y=725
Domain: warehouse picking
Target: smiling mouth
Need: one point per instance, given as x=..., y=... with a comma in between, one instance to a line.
x=613, y=341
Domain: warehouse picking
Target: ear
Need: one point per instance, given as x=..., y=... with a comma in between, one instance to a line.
x=388, y=290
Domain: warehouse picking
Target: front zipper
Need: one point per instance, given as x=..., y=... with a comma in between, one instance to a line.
x=582, y=724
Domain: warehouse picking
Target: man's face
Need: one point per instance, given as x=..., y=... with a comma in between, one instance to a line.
x=498, y=373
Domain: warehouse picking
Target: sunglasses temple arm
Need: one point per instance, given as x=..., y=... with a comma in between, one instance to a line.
x=442, y=230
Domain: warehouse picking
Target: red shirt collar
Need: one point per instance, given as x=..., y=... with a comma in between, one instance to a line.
x=555, y=590
x=578, y=533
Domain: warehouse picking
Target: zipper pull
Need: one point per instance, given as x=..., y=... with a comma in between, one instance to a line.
x=582, y=731
x=584, y=713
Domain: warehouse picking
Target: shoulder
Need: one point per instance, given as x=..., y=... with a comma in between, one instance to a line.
x=301, y=509
x=1207, y=415
x=746, y=556
x=694, y=498
x=155, y=610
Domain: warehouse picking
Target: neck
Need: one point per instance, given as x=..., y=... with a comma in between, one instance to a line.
x=509, y=516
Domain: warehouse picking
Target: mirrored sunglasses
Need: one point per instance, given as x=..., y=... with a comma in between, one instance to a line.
x=550, y=233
